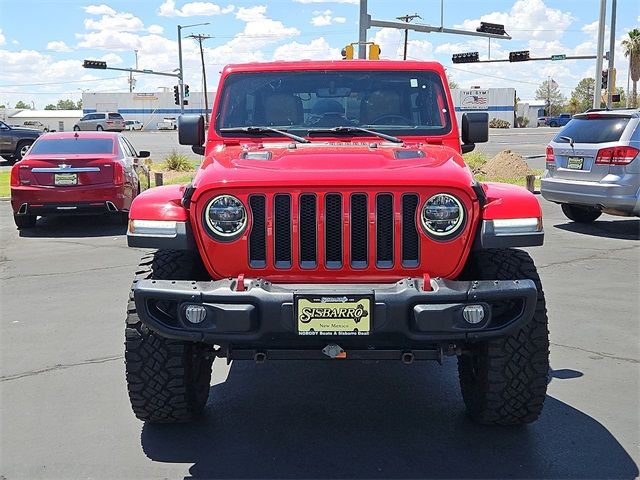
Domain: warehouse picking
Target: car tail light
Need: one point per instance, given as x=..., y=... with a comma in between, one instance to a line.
x=550, y=157
x=110, y=122
x=118, y=173
x=593, y=115
x=616, y=155
x=15, y=176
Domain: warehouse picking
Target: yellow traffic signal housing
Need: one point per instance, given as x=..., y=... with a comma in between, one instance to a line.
x=374, y=51
x=347, y=52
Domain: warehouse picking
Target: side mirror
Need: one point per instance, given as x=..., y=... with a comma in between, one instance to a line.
x=144, y=154
x=191, y=132
x=475, y=129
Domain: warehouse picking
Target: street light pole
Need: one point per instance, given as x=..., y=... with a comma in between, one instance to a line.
x=181, y=72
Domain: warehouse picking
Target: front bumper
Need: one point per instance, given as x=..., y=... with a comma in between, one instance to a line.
x=259, y=316
x=621, y=194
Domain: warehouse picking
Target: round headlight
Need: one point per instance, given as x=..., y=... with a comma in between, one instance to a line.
x=226, y=217
x=442, y=215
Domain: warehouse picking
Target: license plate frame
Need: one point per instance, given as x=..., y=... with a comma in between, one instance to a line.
x=575, y=163
x=65, y=179
x=333, y=314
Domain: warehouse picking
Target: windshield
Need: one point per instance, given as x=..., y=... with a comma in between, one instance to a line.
x=72, y=145
x=394, y=102
x=593, y=130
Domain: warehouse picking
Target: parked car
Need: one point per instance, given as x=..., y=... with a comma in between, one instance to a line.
x=76, y=173
x=592, y=165
x=133, y=125
x=36, y=125
x=15, y=141
x=542, y=121
x=351, y=231
x=558, y=121
x=109, y=121
x=168, y=123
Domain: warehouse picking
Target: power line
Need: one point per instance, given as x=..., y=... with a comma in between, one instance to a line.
x=60, y=83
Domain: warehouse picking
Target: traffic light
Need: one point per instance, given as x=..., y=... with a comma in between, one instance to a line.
x=186, y=90
x=374, y=51
x=605, y=79
x=494, y=28
x=176, y=94
x=521, y=56
x=469, y=57
x=95, y=64
x=347, y=52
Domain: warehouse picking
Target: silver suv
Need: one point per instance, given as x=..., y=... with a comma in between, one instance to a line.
x=592, y=165
x=101, y=121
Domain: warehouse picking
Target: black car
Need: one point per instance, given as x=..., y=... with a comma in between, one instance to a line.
x=16, y=141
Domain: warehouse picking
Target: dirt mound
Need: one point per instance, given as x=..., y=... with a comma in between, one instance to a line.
x=506, y=164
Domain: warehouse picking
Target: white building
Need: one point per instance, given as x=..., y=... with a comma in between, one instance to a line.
x=531, y=109
x=498, y=102
x=54, y=120
x=148, y=108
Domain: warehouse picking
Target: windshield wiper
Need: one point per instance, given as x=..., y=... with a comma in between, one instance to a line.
x=257, y=130
x=390, y=138
x=568, y=139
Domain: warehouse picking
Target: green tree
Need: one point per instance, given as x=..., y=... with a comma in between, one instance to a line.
x=631, y=47
x=452, y=83
x=23, y=106
x=553, y=97
x=66, y=104
x=3, y=106
x=583, y=94
x=51, y=106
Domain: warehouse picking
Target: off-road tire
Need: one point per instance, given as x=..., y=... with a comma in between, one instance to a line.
x=25, y=221
x=168, y=380
x=580, y=214
x=504, y=381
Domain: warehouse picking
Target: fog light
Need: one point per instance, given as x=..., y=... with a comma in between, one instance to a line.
x=473, y=314
x=195, y=313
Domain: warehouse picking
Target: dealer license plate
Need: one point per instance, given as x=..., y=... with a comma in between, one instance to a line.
x=334, y=314
x=575, y=163
x=65, y=178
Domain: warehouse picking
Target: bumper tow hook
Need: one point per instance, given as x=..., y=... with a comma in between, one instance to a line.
x=334, y=351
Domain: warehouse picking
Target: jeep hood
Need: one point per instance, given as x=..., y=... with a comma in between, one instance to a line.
x=333, y=163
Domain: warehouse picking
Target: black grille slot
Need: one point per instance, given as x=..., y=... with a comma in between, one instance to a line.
x=258, y=235
x=333, y=230
x=410, y=238
x=282, y=231
x=308, y=231
x=359, y=228
x=384, y=230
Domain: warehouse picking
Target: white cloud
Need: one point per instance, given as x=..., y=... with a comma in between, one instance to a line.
x=322, y=19
x=111, y=59
x=58, y=46
x=109, y=40
x=259, y=30
x=590, y=28
x=99, y=10
x=354, y=2
x=527, y=19
x=391, y=43
x=193, y=9
x=123, y=22
x=2, y=38
x=318, y=49
x=155, y=29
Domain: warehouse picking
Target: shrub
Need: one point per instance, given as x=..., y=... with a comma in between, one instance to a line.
x=522, y=121
x=177, y=162
x=497, y=123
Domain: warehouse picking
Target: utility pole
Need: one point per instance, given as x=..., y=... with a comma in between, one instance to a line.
x=599, y=54
x=180, y=69
x=363, y=26
x=548, y=96
x=407, y=19
x=200, y=38
x=132, y=82
x=612, y=48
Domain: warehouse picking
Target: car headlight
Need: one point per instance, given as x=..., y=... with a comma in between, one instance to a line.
x=442, y=216
x=226, y=217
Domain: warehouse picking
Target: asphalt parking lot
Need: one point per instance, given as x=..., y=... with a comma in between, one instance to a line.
x=65, y=412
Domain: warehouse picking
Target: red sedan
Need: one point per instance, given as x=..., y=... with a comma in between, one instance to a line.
x=76, y=173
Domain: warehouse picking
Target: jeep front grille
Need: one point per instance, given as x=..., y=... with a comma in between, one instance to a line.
x=334, y=230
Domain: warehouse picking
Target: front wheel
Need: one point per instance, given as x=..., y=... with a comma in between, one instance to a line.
x=168, y=380
x=580, y=214
x=504, y=381
x=99, y=128
x=22, y=149
x=76, y=128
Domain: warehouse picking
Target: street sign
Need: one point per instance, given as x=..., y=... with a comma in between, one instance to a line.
x=558, y=57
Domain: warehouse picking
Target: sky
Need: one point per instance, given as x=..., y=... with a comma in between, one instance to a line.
x=43, y=42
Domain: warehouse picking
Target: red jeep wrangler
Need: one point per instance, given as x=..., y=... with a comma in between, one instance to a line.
x=333, y=217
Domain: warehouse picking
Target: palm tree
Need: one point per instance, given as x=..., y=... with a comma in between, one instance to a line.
x=631, y=47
